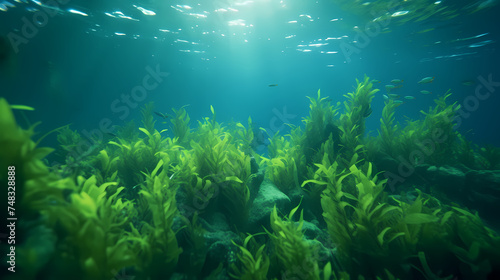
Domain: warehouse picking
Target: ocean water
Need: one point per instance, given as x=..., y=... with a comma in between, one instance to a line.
x=93, y=65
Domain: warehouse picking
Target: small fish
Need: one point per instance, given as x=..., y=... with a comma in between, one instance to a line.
x=385, y=96
x=468, y=83
x=393, y=96
x=425, y=92
x=426, y=80
x=273, y=85
x=398, y=101
x=375, y=81
x=389, y=87
x=409, y=97
x=165, y=116
x=397, y=81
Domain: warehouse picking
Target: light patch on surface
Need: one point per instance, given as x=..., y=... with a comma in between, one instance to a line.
x=244, y=3
x=480, y=44
x=399, y=13
x=4, y=6
x=76, y=12
x=197, y=15
x=292, y=21
x=119, y=14
x=291, y=36
x=120, y=34
x=317, y=45
x=186, y=7
x=237, y=22
x=145, y=11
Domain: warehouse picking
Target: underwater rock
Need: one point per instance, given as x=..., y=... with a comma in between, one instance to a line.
x=447, y=178
x=255, y=183
x=267, y=197
x=484, y=181
x=218, y=240
x=311, y=231
x=484, y=191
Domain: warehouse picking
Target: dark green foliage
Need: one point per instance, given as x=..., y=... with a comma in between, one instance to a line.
x=490, y=156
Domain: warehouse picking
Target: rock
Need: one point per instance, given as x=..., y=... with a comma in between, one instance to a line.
x=311, y=231
x=484, y=191
x=447, y=179
x=266, y=198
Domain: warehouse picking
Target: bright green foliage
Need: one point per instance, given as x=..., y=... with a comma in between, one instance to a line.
x=296, y=256
x=287, y=166
x=282, y=171
x=319, y=125
x=388, y=128
x=244, y=136
x=433, y=140
x=218, y=161
x=358, y=219
x=94, y=223
x=33, y=181
x=161, y=256
x=383, y=237
x=108, y=171
x=148, y=120
x=141, y=156
x=439, y=127
x=254, y=263
x=352, y=121
x=180, y=126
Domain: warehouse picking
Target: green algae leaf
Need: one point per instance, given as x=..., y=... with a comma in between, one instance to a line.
x=145, y=131
x=22, y=107
x=212, y=109
x=234, y=178
x=466, y=213
x=420, y=218
x=446, y=217
x=327, y=271
x=380, y=236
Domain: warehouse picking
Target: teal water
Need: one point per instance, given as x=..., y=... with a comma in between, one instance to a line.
x=82, y=56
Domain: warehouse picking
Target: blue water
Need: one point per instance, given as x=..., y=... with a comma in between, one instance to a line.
x=84, y=56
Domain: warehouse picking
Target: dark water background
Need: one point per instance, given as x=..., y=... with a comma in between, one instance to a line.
x=74, y=68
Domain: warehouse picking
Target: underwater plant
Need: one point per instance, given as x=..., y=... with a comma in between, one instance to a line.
x=254, y=264
x=352, y=121
x=156, y=241
x=180, y=126
x=296, y=256
x=320, y=125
